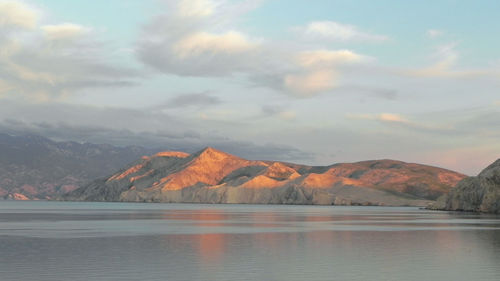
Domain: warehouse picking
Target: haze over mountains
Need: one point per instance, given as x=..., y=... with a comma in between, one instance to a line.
x=34, y=167
x=213, y=176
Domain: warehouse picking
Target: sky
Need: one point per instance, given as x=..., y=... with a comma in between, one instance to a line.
x=313, y=82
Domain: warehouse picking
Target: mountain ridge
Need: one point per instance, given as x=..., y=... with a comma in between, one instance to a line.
x=35, y=167
x=214, y=176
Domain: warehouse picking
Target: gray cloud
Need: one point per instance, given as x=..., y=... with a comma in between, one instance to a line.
x=156, y=55
x=267, y=151
x=189, y=141
x=197, y=100
x=383, y=93
x=270, y=110
x=135, y=127
x=479, y=123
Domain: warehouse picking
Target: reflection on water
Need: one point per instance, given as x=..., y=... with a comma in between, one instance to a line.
x=210, y=246
x=121, y=241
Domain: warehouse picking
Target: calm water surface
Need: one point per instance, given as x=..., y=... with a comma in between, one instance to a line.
x=133, y=241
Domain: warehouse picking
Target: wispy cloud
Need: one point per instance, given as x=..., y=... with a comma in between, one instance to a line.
x=335, y=31
x=64, y=31
x=319, y=71
x=383, y=117
x=328, y=58
x=200, y=43
x=434, y=33
x=278, y=111
x=401, y=121
x=446, y=57
x=393, y=118
x=310, y=83
x=196, y=8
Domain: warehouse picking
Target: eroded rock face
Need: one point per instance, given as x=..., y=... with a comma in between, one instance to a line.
x=475, y=194
x=213, y=176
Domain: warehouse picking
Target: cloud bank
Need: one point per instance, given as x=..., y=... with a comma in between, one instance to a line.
x=44, y=62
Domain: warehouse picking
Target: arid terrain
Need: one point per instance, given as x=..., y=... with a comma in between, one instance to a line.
x=213, y=176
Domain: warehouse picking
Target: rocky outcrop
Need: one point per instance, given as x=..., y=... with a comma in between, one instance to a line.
x=213, y=176
x=474, y=194
x=16, y=196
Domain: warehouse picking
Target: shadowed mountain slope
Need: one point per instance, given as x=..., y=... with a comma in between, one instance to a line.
x=34, y=167
x=213, y=176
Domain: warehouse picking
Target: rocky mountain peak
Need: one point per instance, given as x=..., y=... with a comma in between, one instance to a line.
x=493, y=170
x=212, y=154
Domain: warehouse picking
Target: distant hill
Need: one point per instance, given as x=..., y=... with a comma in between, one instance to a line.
x=476, y=194
x=213, y=176
x=34, y=167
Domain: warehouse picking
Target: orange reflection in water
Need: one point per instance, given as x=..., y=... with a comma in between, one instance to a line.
x=210, y=246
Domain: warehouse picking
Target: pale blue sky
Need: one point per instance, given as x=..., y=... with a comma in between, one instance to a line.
x=316, y=82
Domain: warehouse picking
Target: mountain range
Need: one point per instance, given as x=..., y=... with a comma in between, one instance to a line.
x=35, y=167
x=213, y=176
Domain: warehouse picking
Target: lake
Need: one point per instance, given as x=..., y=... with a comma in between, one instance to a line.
x=134, y=241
